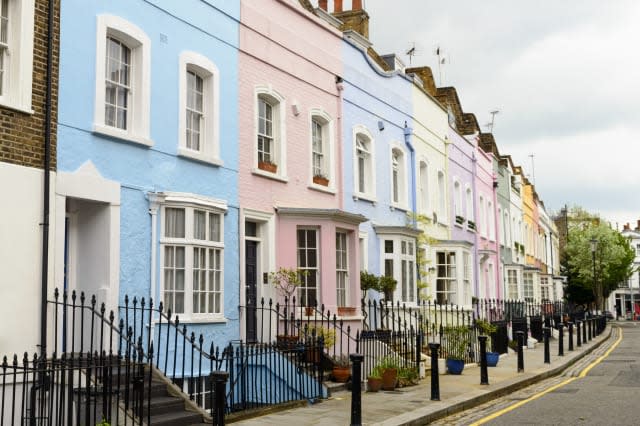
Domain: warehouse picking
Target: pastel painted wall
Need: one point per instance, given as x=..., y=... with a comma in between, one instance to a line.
x=207, y=28
x=378, y=104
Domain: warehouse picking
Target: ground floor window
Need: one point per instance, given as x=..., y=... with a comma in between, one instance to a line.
x=512, y=284
x=446, y=278
x=307, y=248
x=544, y=288
x=399, y=262
x=528, y=286
x=342, y=268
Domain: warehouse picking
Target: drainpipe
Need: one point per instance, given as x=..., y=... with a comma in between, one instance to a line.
x=339, y=147
x=47, y=178
x=407, y=140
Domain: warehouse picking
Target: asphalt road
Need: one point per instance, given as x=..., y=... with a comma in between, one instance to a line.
x=608, y=395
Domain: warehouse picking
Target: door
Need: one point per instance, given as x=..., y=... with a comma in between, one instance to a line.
x=251, y=292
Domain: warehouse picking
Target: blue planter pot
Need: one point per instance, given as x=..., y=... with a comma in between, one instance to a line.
x=455, y=366
x=492, y=359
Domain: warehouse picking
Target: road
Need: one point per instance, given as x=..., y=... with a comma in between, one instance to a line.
x=607, y=393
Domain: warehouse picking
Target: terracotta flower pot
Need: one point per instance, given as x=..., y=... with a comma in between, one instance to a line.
x=341, y=374
x=389, y=378
x=268, y=167
x=374, y=384
x=321, y=180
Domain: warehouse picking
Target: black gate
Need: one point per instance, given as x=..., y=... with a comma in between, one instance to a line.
x=500, y=339
x=536, y=327
x=519, y=324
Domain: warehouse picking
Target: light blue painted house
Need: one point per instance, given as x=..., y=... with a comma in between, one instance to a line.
x=148, y=158
x=378, y=161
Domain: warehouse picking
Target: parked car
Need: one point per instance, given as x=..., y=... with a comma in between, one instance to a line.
x=608, y=314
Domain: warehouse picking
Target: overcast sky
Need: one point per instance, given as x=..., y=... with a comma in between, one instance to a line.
x=564, y=74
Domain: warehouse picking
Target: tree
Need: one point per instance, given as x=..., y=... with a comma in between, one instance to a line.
x=613, y=259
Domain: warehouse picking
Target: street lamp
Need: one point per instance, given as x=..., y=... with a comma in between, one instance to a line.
x=594, y=247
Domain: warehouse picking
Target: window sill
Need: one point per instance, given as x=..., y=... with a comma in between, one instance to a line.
x=272, y=176
x=365, y=197
x=322, y=188
x=25, y=109
x=196, y=156
x=458, y=225
x=121, y=135
x=400, y=207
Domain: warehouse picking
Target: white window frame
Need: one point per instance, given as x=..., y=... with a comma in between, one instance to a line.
x=545, y=289
x=513, y=292
x=342, y=268
x=402, y=261
x=466, y=277
x=278, y=109
x=328, y=148
x=450, y=278
x=191, y=203
x=209, y=151
x=442, y=197
x=423, y=186
x=457, y=198
x=140, y=79
x=302, y=293
x=528, y=286
x=398, y=175
x=491, y=222
x=482, y=219
x=17, y=78
x=370, y=166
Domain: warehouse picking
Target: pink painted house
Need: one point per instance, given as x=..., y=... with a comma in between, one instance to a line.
x=289, y=162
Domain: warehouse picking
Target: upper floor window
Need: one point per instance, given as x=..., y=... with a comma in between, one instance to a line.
x=199, y=88
x=442, y=196
x=270, y=142
x=469, y=204
x=398, y=178
x=482, y=219
x=122, y=80
x=16, y=53
x=491, y=221
x=424, y=187
x=322, y=167
x=364, y=176
x=457, y=199
x=192, y=260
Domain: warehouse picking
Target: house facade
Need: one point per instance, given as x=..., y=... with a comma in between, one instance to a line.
x=148, y=158
x=27, y=168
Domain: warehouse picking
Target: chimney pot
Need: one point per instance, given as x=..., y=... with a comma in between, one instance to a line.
x=625, y=227
x=322, y=4
x=356, y=5
x=638, y=226
x=337, y=6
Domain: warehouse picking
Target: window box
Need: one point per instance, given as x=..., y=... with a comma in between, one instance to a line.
x=320, y=180
x=471, y=225
x=346, y=311
x=268, y=167
x=459, y=220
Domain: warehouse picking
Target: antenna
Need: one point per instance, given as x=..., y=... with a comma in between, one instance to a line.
x=411, y=52
x=493, y=120
x=441, y=61
x=533, y=169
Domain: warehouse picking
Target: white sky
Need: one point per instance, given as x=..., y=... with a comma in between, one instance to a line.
x=563, y=73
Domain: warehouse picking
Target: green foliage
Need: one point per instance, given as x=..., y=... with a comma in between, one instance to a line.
x=287, y=280
x=613, y=258
x=376, y=372
x=104, y=422
x=342, y=361
x=425, y=276
x=486, y=329
x=388, y=362
x=328, y=335
x=458, y=339
x=387, y=284
x=369, y=281
x=407, y=376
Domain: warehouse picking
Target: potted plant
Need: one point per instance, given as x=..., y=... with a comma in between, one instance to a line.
x=487, y=329
x=374, y=379
x=286, y=281
x=341, y=369
x=389, y=367
x=388, y=286
x=311, y=333
x=457, y=344
x=321, y=179
x=268, y=166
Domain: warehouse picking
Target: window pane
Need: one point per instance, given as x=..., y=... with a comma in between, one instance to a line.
x=388, y=246
x=199, y=225
x=214, y=227
x=174, y=225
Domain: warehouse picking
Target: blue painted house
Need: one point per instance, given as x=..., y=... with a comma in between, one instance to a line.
x=378, y=161
x=148, y=161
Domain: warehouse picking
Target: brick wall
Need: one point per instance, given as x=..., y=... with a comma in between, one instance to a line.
x=21, y=134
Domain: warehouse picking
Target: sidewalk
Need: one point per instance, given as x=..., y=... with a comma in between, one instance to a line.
x=412, y=405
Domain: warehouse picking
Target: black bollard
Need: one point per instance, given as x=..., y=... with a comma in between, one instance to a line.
x=220, y=389
x=560, y=340
x=356, y=389
x=570, y=335
x=590, y=328
x=520, y=337
x=547, y=354
x=484, y=373
x=579, y=341
x=435, y=378
x=584, y=330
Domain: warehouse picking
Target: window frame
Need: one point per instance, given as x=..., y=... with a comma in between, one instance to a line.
x=342, y=268
x=140, y=79
x=17, y=76
x=400, y=265
x=370, y=170
x=191, y=203
x=423, y=188
x=328, y=140
x=279, y=154
x=398, y=174
x=203, y=67
x=451, y=277
x=303, y=289
x=442, y=197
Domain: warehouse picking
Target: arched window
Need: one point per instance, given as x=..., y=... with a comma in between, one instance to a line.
x=398, y=178
x=424, y=187
x=364, y=161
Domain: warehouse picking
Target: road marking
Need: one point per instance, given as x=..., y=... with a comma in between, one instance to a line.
x=582, y=374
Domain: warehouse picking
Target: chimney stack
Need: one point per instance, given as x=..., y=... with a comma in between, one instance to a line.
x=625, y=227
x=356, y=19
x=322, y=4
x=638, y=225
